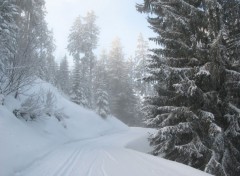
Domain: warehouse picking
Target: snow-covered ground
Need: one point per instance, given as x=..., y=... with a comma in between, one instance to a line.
x=88, y=146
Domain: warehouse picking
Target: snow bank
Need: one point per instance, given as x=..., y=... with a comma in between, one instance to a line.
x=140, y=142
x=22, y=142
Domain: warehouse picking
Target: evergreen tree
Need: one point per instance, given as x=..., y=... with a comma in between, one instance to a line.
x=22, y=33
x=8, y=38
x=76, y=39
x=77, y=93
x=91, y=32
x=50, y=65
x=101, y=86
x=121, y=95
x=76, y=47
x=46, y=61
x=136, y=87
x=102, y=104
x=47, y=64
x=63, y=75
x=140, y=65
x=83, y=40
x=195, y=113
x=230, y=40
x=8, y=32
x=101, y=73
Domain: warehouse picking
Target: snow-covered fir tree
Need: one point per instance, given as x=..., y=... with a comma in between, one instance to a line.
x=8, y=32
x=83, y=40
x=48, y=67
x=121, y=96
x=91, y=32
x=63, y=76
x=102, y=104
x=77, y=93
x=101, y=86
x=140, y=65
x=195, y=108
x=76, y=48
x=100, y=78
x=8, y=38
x=46, y=60
x=76, y=39
x=138, y=97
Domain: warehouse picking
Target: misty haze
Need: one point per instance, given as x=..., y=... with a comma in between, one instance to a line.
x=119, y=88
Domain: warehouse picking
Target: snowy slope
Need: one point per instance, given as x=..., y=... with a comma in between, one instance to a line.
x=22, y=142
x=89, y=146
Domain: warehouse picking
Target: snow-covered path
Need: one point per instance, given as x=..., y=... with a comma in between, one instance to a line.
x=105, y=156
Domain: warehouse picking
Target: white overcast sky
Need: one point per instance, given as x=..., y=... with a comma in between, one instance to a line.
x=116, y=18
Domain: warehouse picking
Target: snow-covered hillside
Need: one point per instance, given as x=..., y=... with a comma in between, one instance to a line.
x=82, y=144
x=22, y=142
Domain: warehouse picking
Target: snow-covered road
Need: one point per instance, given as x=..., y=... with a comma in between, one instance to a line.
x=106, y=155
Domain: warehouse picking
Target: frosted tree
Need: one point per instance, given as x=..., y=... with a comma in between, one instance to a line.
x=76, y=48
x=83, y=40
x=102, y=104
x=194, y=109
x=77, y=92
x=63, y=76
x=101, y=73
x=230, y=39
x=91, y=32
x=121, y=95
x=101, y=82
x=8, y=37
x=48, y=66
x=116, y=74
x=35, y=46
x=21, y=48
x=136, y=87
x=140, y=65
x=76, y=39
x=46, y=60
x=8, y=32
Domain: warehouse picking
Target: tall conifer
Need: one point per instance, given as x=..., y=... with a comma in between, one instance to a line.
x=195, y=113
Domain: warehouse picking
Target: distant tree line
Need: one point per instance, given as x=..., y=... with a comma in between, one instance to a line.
x=110, y=84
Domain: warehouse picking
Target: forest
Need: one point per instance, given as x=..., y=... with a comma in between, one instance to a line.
x=184, y=90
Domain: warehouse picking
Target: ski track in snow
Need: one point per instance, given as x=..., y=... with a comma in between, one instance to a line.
x=103, y=156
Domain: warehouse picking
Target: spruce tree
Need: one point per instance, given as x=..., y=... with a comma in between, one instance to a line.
x=76, y=47
x=8, y=32
x=63, y=76
x=102, y=104
x=121, y=96
x=91, y=32
x=193, y=109
x=140, y=65
x=100, y=80
x=47, y=66
x=77, y=93
x=51, y=67
x=76, y=39
x=83, y=40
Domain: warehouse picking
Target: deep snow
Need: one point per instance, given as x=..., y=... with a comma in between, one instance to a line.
x=88, y=146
